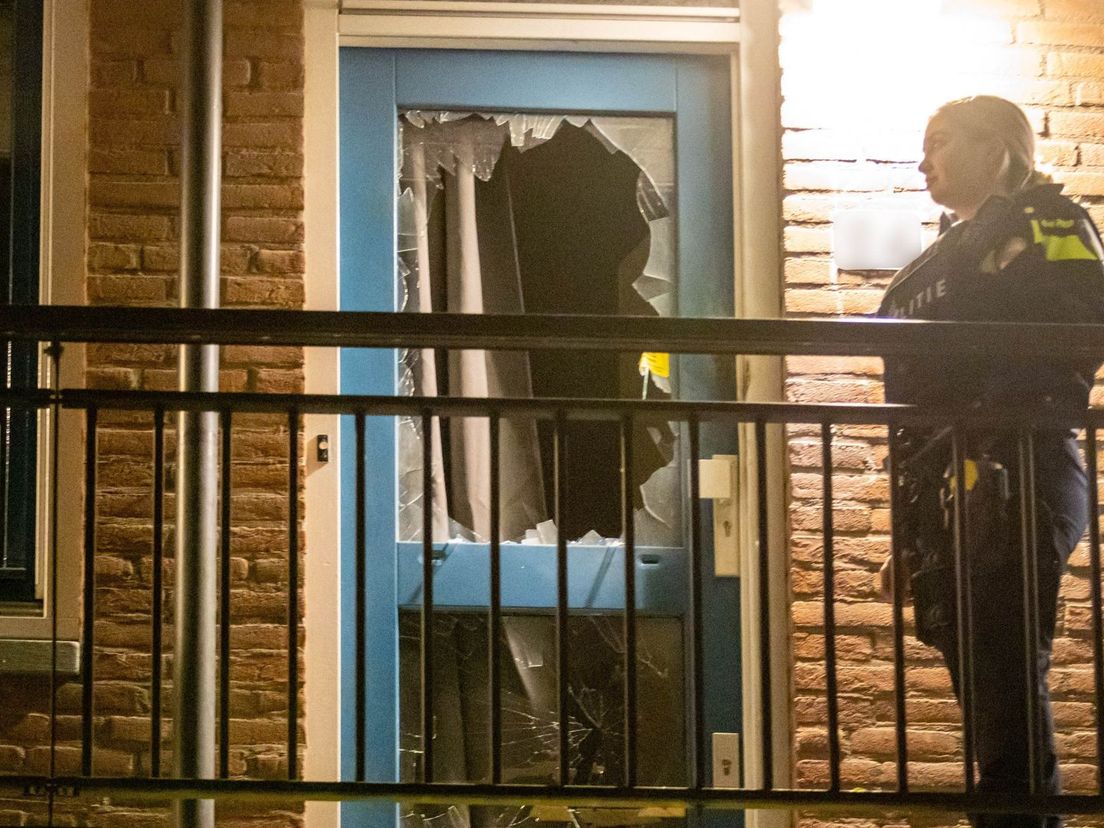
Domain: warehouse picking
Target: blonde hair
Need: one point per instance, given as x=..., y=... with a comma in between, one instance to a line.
x=987, y=116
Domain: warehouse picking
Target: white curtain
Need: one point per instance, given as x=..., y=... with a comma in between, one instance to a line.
x=477, y=277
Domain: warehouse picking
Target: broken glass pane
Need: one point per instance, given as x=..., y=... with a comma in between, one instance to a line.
x=530, y=724
x=467, y=225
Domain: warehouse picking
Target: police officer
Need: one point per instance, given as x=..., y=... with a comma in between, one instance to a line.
x=1012, y=249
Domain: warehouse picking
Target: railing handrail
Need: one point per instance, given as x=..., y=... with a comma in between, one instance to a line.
x=371, y=329
x=573, y=408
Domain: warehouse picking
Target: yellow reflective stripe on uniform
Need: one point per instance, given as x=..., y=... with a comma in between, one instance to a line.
x=1061, y=248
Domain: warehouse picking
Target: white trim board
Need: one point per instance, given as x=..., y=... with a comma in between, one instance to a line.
x=561, y=26
x=61, y=270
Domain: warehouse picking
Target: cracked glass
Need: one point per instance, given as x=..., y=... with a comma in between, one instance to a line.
x=473, y=234
x=530, y=727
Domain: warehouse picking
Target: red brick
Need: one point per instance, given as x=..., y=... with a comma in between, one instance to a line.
x=252, y=355
x=132, y=442
x=115, y=193
x=106, y=73
x=1089, y=94
x=1092, y=155
x=266, y=14
x=274, y=45
x=255, y=135
x=808, y=239
x=861, y=616
x=1079, y=10
x=265, y=292
x=279, y=262
x=1080, y=64
x=1077, y=124
x=260, y=446
x=162, y=72
x=130, y=161
x=867, y=366
x=276, y=381
x=121, y=226
x=802, y=270
x=825, y=302
x=272, y=104
x=160, y=258
x=111, y=14
x=116, y=378
x=922, y=744
x=1083, y=183
x=263, y=165
x=280, y=75
x=236, y=73
x=164, y=131
x=287, y=196
x=113, y=103
x=1057, y=153
x=130, y=41
x=834, y=391
x=121, y=290
x=112, y=257
x=262, y=229
x=1060, y=34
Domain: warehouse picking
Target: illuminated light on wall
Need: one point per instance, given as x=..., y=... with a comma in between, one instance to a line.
x=861, y=78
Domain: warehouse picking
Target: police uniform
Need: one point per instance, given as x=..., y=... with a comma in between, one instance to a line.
x=1031, y=257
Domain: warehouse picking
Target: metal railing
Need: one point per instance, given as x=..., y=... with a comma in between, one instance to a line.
x=59, y=325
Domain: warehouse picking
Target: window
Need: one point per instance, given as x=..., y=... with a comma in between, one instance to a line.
x=20, y=165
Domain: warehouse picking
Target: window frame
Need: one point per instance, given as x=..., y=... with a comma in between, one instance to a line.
x=18, y=444
x=60, y=251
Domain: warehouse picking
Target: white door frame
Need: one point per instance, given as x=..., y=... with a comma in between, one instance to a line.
x=750, y=38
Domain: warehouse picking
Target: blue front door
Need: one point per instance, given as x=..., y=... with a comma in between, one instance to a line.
x=376, y=86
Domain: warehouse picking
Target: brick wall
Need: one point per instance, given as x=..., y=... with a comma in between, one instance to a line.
x=857, y=92
x=132, y=259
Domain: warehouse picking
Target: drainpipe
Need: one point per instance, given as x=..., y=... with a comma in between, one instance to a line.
x=200, y=105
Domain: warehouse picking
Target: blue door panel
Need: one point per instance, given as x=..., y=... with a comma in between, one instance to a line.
x=367, y=117
x=543, y=82
x=375, y=85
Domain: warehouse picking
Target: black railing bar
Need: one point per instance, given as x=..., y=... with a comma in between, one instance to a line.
x=5, y=430
x=157, y=610
x=226, y=426
x=964, y=625
x=369, y=329
x=582, y=408
x=697, y=626
x=89, y=599
x=494, y=636
x=30, y=397
x=765, y=693
x=1095, y=592
x=360, y=677
x=450, y=793
x=563, y=648
x=427, y=597
x=898, y=587
x=628, y=518
x=828, y=537
x=293, y=593
x=1030, y=560
x=54, y=353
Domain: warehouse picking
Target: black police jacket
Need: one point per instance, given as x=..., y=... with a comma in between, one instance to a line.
x=1032, y=257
